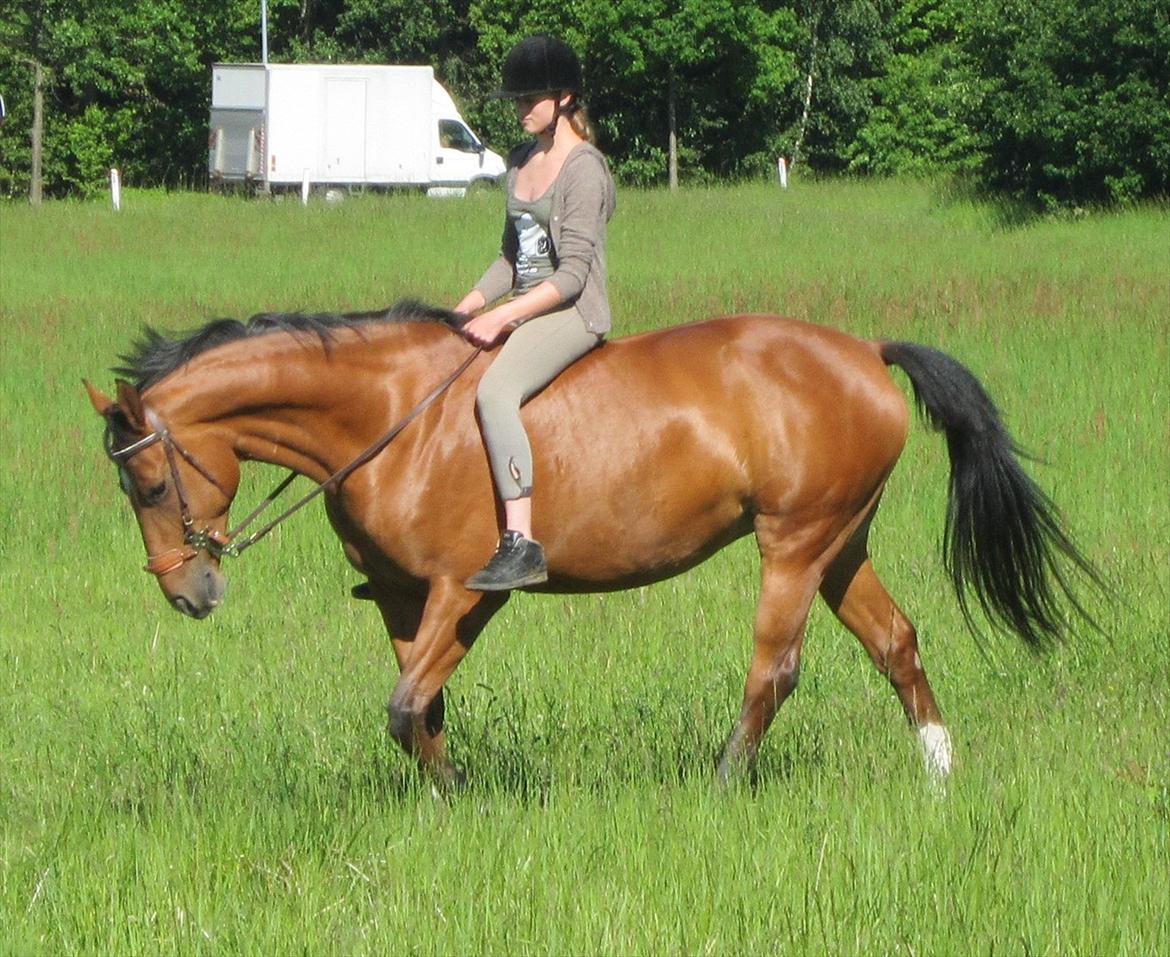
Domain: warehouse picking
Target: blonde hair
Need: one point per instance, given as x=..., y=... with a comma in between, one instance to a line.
x=582, y=125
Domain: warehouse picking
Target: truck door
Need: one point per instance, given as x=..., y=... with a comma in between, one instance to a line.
x=345, y=129
x=459, y=158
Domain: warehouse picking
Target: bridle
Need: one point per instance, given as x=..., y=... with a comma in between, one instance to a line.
x=194, y=540
x=218, y=544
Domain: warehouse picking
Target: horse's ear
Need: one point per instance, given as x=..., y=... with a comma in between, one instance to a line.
x=130, y=402
x=101, y=402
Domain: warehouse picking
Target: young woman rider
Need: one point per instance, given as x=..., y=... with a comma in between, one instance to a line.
x=560, y=195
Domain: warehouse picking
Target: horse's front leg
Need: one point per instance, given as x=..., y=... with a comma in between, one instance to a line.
x=449, y=621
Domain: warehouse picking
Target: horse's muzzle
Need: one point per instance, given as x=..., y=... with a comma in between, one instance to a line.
x=200, y=593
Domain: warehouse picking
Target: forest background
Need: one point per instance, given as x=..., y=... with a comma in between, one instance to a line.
x=1056, y=102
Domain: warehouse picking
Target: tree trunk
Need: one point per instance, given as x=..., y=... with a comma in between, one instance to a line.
x=672, y=124
x=808, y=91
x=306, y=21
x=38, y=127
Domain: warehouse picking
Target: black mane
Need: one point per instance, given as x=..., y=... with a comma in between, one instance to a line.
x=155, y=355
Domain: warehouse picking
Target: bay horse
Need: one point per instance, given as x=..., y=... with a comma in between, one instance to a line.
x=651, y=453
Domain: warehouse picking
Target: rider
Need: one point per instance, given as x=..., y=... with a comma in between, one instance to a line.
x=560, y=195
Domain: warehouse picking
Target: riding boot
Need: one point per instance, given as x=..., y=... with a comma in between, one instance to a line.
x=518, y=561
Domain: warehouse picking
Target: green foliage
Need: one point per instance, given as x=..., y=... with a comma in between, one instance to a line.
x=723, y=63
x=1077, y=103
x=921, y=104
x=127, y=85
x=841, y=46
x=1056, y=101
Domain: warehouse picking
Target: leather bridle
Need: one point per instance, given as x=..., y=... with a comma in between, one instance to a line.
x=194, y=540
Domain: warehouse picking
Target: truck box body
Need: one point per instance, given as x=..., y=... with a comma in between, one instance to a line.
x=280, y=125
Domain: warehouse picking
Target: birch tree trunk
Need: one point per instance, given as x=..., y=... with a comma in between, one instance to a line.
x=808, y=92
x=672, y=138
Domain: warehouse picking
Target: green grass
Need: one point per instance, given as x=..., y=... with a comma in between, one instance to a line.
x=227, y=786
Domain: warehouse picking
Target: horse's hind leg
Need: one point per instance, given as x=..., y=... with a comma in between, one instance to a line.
x=852, y=589
x=786, y=592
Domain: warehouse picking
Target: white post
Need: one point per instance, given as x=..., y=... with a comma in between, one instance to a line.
x=217, y=152
x=250, y=161
x=305, y=187
x=782, y=169
x=116, y=188
x=264, y=32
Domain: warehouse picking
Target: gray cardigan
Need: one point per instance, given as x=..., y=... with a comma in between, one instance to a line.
x=583, y=203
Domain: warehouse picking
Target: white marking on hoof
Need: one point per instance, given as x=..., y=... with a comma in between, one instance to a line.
x=936, y=750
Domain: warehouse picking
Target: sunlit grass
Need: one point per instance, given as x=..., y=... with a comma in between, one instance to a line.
x=227, y=786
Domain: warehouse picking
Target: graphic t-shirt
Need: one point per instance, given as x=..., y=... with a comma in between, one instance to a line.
x=535, y=257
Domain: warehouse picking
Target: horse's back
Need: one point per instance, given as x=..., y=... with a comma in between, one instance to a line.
x=720, y=351
x=746, y=376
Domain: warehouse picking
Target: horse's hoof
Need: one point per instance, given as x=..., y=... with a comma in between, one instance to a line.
x=735, y=772
x=447, y=782
x=362, y=592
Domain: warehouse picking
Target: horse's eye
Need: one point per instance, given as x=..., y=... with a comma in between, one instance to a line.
x=154, y=493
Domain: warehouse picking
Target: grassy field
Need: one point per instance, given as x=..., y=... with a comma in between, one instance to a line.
x=228, y=787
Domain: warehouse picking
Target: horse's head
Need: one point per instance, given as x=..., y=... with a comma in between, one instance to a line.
x=180, y=491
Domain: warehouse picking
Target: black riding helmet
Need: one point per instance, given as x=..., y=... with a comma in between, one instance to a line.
x=540, y=64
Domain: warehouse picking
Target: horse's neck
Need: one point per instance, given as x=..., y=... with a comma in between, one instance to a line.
x=290, y=403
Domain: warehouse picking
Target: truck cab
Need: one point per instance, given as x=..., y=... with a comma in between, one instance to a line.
x=461, y=159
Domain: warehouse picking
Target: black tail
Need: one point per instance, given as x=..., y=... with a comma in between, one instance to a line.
x=1004, y=539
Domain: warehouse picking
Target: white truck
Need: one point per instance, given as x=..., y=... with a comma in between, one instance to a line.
x=278, y=126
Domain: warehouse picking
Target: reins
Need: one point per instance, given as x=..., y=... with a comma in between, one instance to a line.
x=218, y=544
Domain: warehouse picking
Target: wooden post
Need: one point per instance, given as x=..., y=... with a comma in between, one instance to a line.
x=38, y=129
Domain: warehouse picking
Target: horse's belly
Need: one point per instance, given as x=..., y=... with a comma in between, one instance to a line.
x=646, y=530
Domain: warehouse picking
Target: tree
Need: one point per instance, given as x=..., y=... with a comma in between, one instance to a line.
x=696, y=82
x=1076, y=107
x=842, y=46
x=22, y=73
x=923, y=100
x=126, y=85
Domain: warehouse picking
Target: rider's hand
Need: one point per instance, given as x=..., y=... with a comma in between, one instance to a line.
x=486, y=329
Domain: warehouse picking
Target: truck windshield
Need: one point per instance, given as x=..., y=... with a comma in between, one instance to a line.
x=453, y=135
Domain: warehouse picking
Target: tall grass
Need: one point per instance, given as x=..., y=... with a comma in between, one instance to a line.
x=227, y=786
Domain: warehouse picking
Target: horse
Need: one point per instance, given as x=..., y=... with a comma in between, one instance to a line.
x=652, y=452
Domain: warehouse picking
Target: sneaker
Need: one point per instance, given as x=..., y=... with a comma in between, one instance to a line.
x=518, y=561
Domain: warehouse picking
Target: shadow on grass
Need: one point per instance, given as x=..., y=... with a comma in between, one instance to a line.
x=1006, y=212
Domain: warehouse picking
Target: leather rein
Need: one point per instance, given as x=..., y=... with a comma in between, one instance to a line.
x=216, y=543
